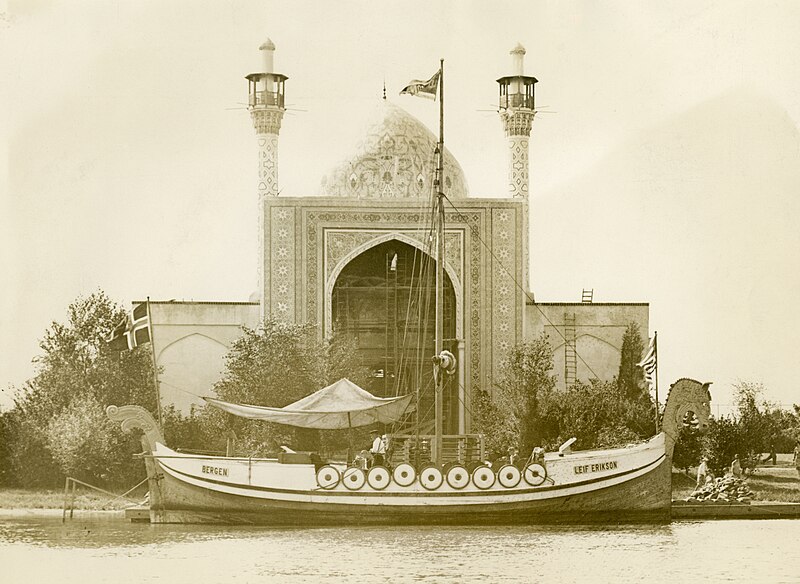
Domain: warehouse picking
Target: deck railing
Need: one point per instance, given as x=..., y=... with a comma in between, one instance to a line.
x=463, y=448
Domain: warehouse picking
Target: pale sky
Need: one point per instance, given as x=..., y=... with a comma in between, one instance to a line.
x=666, y=170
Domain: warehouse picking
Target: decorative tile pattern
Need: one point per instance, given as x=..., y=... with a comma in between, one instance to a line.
x=267, y=124
x=267, y=165
x=394, y=159
x=341, y=242
x=282, y=302
x=518, y=166
x=517, y=124
x=506, y=301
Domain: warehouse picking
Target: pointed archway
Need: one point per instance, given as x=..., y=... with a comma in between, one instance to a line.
x=384, y=298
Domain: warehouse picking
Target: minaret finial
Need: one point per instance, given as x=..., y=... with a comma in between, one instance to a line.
x=384, y=89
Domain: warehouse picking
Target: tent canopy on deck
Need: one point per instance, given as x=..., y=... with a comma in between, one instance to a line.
x=338, y=406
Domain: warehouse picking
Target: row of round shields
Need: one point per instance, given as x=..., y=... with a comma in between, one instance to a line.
x=430, y=477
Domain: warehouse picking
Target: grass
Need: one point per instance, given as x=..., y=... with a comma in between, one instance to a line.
x=54, y=499
x=769, y=483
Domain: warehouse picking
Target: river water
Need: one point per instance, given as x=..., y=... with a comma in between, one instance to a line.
x=42, y=550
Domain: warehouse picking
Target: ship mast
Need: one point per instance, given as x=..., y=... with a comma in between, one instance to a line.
x=439, y=313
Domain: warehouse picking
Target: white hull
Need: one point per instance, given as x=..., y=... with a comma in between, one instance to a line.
x=205, y=488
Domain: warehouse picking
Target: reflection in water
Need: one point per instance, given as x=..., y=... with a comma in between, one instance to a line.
x=101, y=550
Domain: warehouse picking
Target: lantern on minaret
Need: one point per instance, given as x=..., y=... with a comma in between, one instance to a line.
x=266, y=105
x=516, y=107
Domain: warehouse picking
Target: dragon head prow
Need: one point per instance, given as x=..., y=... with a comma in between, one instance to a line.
x=687, y=399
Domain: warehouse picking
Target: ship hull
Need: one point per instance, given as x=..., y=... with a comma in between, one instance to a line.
x=611, y=486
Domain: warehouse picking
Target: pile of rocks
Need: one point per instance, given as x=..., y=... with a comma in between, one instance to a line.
x=723, y=491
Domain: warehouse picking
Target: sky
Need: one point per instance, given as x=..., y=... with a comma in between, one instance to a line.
x=665, y=162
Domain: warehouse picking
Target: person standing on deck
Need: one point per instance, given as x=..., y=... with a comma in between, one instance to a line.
x=378, y=449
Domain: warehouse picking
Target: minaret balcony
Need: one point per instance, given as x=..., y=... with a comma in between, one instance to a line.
x=266, y=98
x=516, y=100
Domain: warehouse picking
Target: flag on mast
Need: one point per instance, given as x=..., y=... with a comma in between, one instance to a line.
x=132, y=331
x=426, y=89
x=650, y=364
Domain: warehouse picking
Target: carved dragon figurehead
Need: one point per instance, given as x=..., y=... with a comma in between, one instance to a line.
x=688, y=402
x=136, y=417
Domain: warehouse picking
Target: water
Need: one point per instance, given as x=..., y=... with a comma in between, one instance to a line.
x=34, y=550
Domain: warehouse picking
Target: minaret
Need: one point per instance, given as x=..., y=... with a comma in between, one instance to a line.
x=516, y=108
x=266, y=105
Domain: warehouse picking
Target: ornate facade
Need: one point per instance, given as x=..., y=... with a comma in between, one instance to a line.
x=342, y=259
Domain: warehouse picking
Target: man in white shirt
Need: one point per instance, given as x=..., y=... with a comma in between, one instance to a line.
x=378, y=449
x=702, y=472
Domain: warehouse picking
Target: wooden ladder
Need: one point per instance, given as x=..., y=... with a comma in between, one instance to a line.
x=570, y=354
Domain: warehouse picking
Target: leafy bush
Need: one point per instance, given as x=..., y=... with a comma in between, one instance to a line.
x=600, y=415
x=88, y=446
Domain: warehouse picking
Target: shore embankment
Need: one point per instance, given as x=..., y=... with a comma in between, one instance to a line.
x=769, y=484
x=47, y=502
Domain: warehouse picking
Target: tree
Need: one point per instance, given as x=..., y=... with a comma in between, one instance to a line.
x=525, y=380
x=757, y=426
x=57, y=417
x=688, y=448
x=723, y=440
x=630, y=378
x=494, y=422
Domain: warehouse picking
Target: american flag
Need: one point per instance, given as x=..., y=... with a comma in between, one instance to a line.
x=650, y=364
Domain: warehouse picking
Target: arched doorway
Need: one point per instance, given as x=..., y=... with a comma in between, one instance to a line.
x=385, y=299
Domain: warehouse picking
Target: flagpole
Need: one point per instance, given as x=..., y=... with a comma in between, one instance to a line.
x=155, y=365
x=439, y=334
x=655, y=378
x=441, y=107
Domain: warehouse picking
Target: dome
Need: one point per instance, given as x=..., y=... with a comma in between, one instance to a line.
x=393, y=159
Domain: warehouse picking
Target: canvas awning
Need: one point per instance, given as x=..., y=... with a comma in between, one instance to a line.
x=340, y=405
